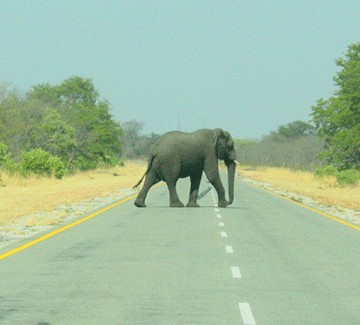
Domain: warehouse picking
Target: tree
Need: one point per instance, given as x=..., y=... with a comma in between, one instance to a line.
x=136, y=145
x=338, y=118
x=58, y=136
x=78, y=90
x=72, y=90
x=81, y=122
x=291, y=131
x=21, y=122
x=131, y=139
x=69, y=121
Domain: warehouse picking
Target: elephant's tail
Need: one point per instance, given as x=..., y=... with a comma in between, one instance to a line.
x=147, y=170
x=139, y=182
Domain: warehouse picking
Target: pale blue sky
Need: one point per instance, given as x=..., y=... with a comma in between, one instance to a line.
x=245, y=66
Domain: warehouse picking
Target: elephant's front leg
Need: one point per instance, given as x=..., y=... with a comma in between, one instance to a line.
x=222, y=202
x=194, y=189
x=214, y=178
x=174, y=198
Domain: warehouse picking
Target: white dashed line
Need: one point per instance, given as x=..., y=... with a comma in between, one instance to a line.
x=229, y=249
x=246, y=313
x=221, y=224
x=223, y=234
x=217, y=210
x=219, y=216
x=235, y=272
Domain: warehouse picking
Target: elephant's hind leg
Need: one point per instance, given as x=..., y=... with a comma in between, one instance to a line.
x=174, y=198
x=151, y=179
x=194, y=190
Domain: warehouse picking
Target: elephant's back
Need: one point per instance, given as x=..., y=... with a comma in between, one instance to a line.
x=168, y=140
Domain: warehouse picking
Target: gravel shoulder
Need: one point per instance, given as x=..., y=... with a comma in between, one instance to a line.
x=31, y=225
x=345, y=214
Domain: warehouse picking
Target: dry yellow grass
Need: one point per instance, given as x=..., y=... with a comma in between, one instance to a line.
x=325, y=191
x=25, y=196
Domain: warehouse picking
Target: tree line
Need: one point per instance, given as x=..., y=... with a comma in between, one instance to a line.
x=294, y=145
x=66, y=127
x=330, y=143
x=56, y=129
x=338, y=118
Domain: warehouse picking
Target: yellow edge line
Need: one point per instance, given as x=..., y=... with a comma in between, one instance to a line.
x=307, y=207
x=53, y=233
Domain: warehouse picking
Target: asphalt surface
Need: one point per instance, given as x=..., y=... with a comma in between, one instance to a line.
x=262, y=260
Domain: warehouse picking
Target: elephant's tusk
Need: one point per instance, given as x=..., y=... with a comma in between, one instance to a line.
x=236, y=162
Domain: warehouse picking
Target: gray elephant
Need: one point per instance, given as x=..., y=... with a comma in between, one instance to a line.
x=178, y=155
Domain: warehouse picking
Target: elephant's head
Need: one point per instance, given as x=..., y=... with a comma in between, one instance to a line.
x=224, y=150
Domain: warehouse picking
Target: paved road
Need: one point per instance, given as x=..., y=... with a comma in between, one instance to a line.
x=263, y=260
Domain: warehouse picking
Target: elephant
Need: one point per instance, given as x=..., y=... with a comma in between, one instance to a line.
x=179, y=154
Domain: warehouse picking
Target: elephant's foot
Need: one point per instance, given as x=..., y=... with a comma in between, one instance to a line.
x=177, y=204
x=223, y=204
x=139, y=204
x=192, y=205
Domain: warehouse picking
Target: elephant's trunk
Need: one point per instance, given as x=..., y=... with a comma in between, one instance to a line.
x=231, y=177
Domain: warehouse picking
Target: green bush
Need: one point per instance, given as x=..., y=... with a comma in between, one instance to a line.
x=348, y=177
x=36, y=161
x=328, y=170
x=82, y=163
x=57, y=167
x=3, y=155
x=87, y=163
x=13, y=167
x=8, y=163
x=40, y=162
x=343, y=177
x=108, y=161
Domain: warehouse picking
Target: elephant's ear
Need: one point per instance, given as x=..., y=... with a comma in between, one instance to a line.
x=218, y=147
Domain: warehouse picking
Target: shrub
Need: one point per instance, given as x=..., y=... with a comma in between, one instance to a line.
x=40, y=162
x=343, y=177
x=3, y=155
x=348, y=177
x=328, y=170
x=36, y=161
x=13, y=167
x=57, y=167
x=108, y=161
x=82, y=163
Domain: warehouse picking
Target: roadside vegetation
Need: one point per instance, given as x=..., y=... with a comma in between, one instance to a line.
x=62, y=129
x=319, y=158
x=58, y=129
x=295, y=146
x=60, y=145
